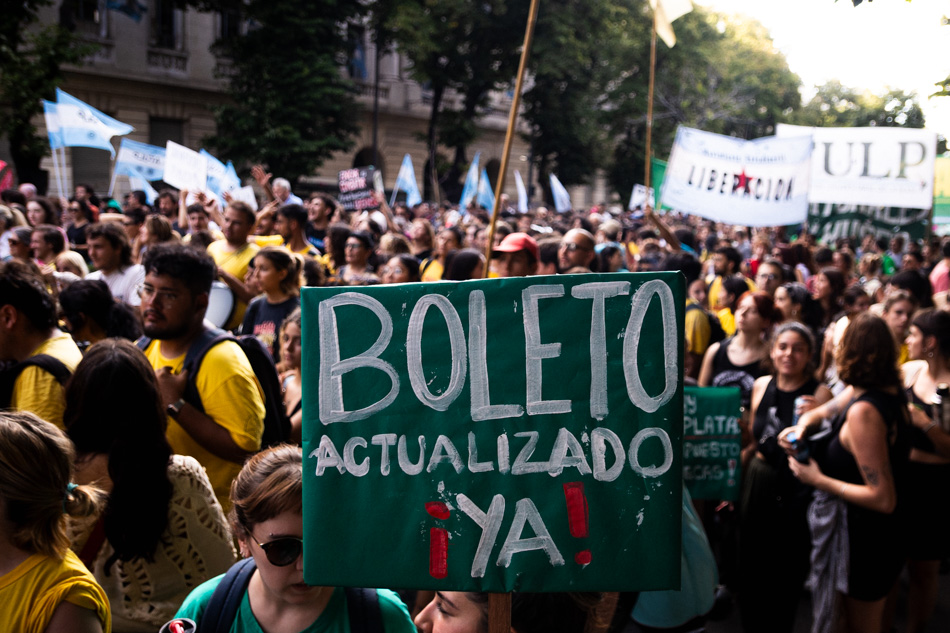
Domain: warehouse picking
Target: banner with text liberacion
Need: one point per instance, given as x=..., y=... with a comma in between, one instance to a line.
x=495, y=435
x=712, y=442
x=763, y=182
x=876, y=166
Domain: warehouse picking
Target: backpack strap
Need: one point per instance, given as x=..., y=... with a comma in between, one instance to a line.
x=362, y=605
x=49, y=364
x=195, y=355
x=223, y=606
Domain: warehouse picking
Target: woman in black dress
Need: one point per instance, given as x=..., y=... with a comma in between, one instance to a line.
x=774, y=504
x=856, y=553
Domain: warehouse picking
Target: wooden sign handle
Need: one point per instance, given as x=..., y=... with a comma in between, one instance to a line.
x=499, y=613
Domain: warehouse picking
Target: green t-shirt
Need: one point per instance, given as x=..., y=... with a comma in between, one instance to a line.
x=334, y=619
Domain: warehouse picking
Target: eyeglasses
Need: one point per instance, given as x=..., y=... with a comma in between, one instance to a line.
x=768, y=277
x=146, y=292
x=352, y=246
x=282, y=551
x=392, y=270
x=570, y=247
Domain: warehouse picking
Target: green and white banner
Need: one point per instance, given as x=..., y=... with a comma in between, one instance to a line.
x=495, y=435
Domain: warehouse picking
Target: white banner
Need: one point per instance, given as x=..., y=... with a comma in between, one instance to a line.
x=185, y=168
x=877, y=166
x=245, y=194
x=753, y=183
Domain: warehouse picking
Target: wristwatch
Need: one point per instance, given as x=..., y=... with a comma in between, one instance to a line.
x=175, y=408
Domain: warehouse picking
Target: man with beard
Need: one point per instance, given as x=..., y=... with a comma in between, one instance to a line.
x=233, y=255
x=226, y=425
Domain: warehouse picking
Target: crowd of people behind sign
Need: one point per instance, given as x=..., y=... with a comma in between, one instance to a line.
x=113, y=313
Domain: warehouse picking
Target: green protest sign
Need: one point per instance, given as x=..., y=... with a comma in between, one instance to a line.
x=495, y=435
x=711, y=442
x=833, y=221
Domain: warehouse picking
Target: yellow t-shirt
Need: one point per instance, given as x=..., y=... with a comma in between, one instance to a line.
x=234, y=263
x=231, y=396
x=267, y=240
x=36, y=390
x=727, y=320
x=697, y=330
x=36, y=587
x=433, y=272
x=716, y=286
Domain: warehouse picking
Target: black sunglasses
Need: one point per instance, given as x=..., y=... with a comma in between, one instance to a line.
x=282, y=551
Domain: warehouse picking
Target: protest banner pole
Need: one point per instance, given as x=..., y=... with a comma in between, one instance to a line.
x=499, y=611
x=59, y=175
x=509, y=136
x=649, y=139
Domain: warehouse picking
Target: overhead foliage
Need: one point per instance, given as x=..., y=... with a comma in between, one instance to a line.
x=31, y=61
x=841, y=106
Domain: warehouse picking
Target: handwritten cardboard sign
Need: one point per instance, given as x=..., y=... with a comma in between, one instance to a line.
x=356, y=188
x=711, y=442
x=495, y=435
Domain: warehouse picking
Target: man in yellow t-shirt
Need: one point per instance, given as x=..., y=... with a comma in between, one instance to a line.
x=233, y=255
x=226, y=426
x=28, y=329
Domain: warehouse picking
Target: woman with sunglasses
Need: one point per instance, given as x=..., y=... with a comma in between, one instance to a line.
x=266, y=516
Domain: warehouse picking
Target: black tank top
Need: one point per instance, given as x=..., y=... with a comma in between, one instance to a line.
x=775, y=413
x=727, y=374
x=919, y=439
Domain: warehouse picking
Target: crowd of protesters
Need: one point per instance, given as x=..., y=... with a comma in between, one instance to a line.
x=106, y=315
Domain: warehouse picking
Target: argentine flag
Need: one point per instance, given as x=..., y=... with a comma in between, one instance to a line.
x=522, y=193
x=562, y=199
x=53, y=130
x=406, y=181
x=141, y=160
x=82, y=125
x=486, y=198
x=471, y=184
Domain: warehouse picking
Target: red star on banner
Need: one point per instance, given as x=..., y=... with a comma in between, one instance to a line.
x=744, y=181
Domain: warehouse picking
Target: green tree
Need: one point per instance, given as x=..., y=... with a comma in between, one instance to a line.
x=460, y=51
x=31, y=60
x=724, y=75
x=835, y=105
x=290, y=106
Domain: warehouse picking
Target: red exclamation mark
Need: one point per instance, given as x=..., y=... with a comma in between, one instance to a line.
x=577, y=517
x=438, y=541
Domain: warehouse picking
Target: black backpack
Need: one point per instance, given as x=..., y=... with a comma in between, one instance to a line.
x=716, y=333
x=362, y=605
x=10, y=372
x=276, y=422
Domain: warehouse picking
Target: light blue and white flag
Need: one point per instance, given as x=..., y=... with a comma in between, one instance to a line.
x=220, y=178
x=140, y=159
x=471, y=184
x=53, y=130
x=522, y=193
x=406, y=181
x=84, y=126
x=763, y=182
x=139, y=183
x=486, y=197
x=562, y=199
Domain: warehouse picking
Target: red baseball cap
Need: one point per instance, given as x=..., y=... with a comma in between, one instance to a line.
x=515, y=242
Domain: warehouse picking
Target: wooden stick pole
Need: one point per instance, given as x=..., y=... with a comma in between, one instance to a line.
x=649, y=139
x=499, y=612
x=509, y=136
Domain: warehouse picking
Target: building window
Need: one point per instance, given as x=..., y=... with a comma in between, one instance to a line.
x=88, y=17
x=161, y=130
x=167, y=26
x=91, y=166
x=230, y=25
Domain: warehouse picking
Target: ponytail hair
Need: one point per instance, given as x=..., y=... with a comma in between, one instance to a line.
x=36, y=466
x=283, y=260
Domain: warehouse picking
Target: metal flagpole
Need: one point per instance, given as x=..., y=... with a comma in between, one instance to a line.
x=512, y=119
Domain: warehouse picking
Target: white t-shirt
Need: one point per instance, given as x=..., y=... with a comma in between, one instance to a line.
x=123, y=282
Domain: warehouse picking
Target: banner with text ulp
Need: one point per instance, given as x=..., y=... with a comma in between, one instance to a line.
x=875, y=166
x=495, y=435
